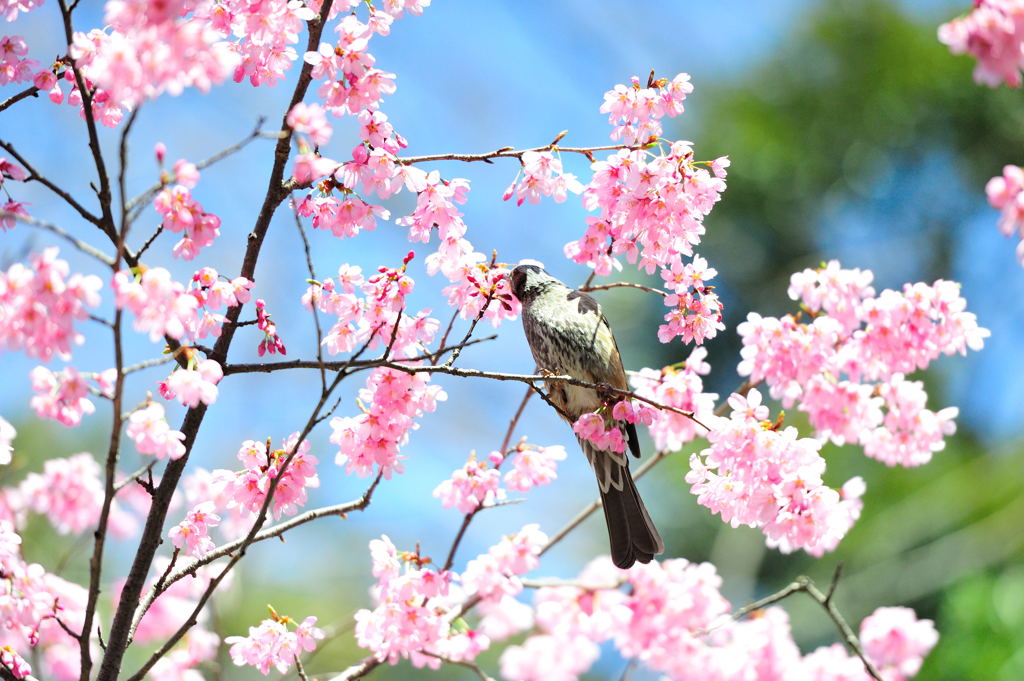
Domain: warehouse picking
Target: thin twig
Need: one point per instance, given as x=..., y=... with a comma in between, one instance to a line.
x=313, y=307
x=36, y=176
x=30, y=91
x=50, y=227
x=285, y=365
x=510, y=152
x=624, y=284
x=134, y=476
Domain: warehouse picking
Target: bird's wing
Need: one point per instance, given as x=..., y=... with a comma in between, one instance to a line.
x=614, y=374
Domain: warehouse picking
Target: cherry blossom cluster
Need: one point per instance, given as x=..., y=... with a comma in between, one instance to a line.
x=193, y=533
x=696, y=312
x=481, y=290
x=679, y=386
x=13, y=210
x=478, y=482
x=391, y=402
x=416, y=605
x=603, y=428
x=194, y=384
x=671, y=617
x=35, y=605
x=311, y=120
x=165, y=307
x=246, y=491
x=846, y=365
x=10, y=8
x=351, y=83
x=758, y=474
x=274, y=644
x=1004, y=194
x=375, y=319
x=410, y=618
x=271, y=341
x=61, y=396
x=15, y=67
x=69, y=493
x=182, y=213
x=542, y=175
x=40, y=302
x=992, y=33
x=636, y=111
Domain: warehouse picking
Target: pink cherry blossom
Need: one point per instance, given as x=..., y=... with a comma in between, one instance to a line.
x=846, y=366
x=310, y=119
x=1005, y=194
x=39, y=304
x=14, y=66
x=161, y=305
x=755, y=474
x=548, y=658
x=496, y=573
x=992, y=33
x=182, y=213
x=473, y=485
x=69, y=492
x=195, y=385
x=247, y=490
x=533, y=466
x=542, y=175
x=12, y=208
x=62, y=397
x=392, y=401
x=678, y=386
x=148, y=428
x=410, y=617
x=192, y=533
x=604, y=434
x=896, y=641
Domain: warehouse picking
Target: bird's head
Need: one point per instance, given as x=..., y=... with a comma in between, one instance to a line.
x=530, y=281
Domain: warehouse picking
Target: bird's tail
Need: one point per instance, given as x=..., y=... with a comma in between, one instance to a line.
x=631, y=532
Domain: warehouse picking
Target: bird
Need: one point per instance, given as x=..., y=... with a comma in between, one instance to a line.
x=569, y=336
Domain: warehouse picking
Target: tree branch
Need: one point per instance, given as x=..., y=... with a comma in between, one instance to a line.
x=35, y=175
x=511, y=152
x=30, y=91
x=50, y=227
x=120, y=628
x=356, y=365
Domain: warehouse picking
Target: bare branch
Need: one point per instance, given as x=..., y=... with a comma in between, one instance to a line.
x=50, y=227
x=624, y=284
x=30, y=91
x=510, y=152
x=284, y=365
x=35, y=175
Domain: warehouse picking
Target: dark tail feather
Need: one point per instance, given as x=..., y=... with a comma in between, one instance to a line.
x=631, y=532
